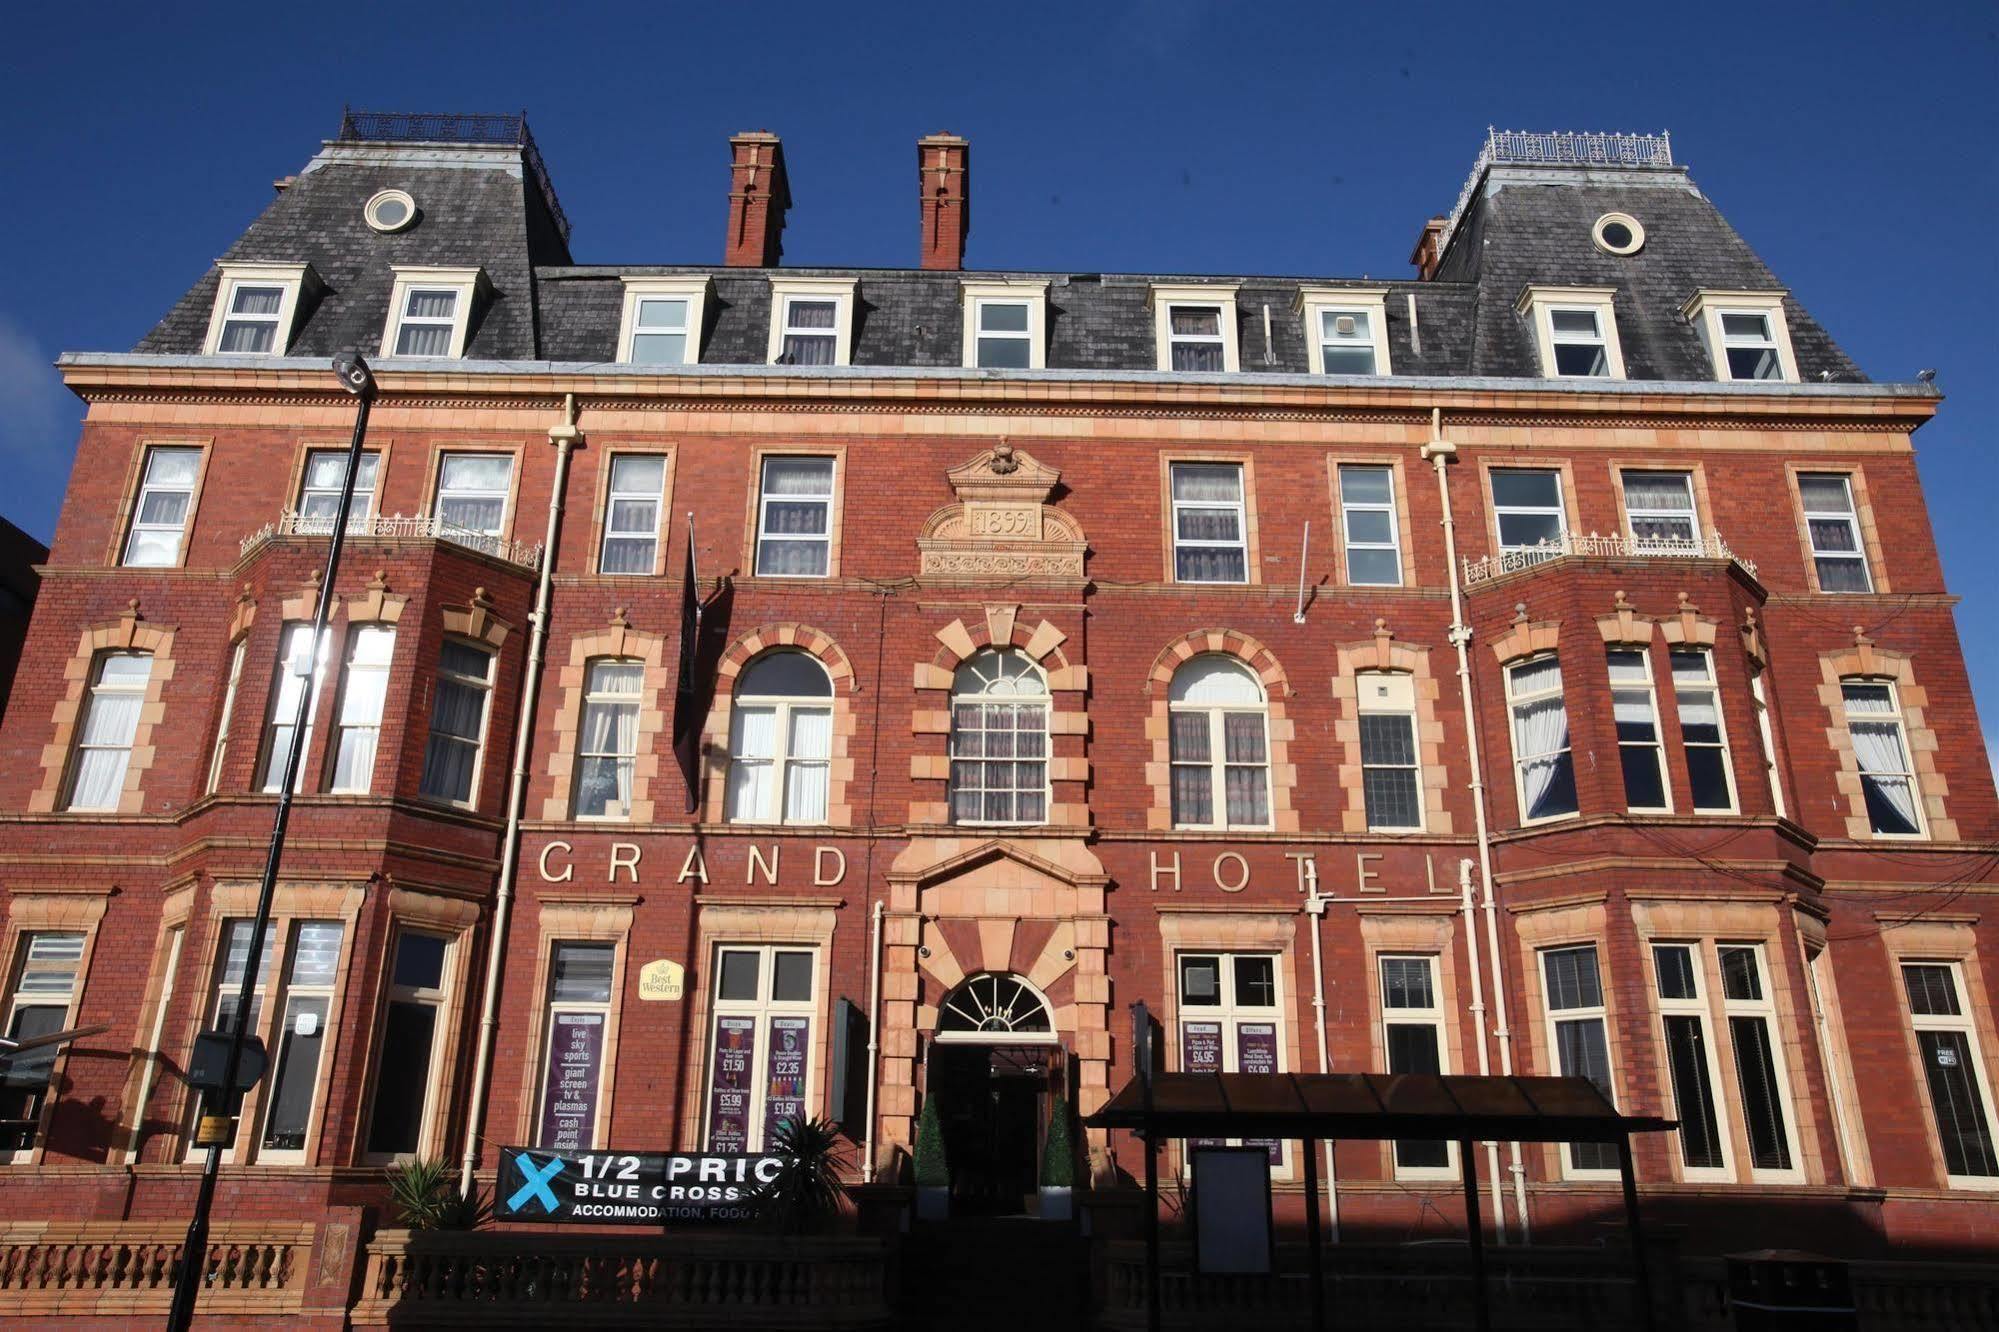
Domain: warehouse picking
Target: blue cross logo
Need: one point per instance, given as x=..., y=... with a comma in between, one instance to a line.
x=536, y=1185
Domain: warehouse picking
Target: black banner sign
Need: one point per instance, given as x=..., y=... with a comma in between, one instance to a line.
x=629, y=1188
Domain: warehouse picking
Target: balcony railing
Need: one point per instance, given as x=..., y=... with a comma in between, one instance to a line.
x=397, y=527
x=1556, y=148
x=1612, y=546
x=124, y=1269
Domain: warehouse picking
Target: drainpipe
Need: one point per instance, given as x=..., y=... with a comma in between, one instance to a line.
x=1439, y=452
x=1315, y=906
x=1484, y=1057
x=565, y=437
x=874, y=1021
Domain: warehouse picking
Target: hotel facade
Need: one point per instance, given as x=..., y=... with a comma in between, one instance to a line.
x=1539, y=664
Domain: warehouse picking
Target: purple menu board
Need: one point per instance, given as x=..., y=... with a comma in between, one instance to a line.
x=569, y=1106
x=1256, y=1052
x=729, y=1088
x=784, y=1085
x=1201, y=1052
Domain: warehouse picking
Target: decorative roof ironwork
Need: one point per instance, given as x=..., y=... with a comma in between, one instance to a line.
x=444, y=127
x=1557, y=148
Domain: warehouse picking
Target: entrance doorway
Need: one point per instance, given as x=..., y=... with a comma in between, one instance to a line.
x=994, y=1068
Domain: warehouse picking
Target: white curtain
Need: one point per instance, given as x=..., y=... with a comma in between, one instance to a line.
x=1884, y=765
x=1541, y=731
x=609, y=740
x=806, y=777
x=753, y=749
x=100, y=776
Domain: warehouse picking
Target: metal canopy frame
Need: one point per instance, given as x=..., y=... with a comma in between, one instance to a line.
x=1339, y=1107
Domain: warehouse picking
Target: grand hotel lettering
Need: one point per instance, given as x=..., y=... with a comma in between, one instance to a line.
x=1332, y=870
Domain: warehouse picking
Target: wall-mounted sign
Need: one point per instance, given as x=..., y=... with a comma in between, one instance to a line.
x=575, y=1058
x=629, y=1188
x=663, y=979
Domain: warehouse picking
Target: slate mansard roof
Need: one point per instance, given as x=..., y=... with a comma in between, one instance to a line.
x=490, y=206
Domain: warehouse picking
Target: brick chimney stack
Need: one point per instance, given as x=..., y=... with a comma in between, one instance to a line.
x=759, y=195
x=1429, y=249
x=944, y=190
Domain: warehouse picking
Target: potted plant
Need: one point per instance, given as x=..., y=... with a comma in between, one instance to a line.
x=933, y=1172
x=1058, y=1164
x=424, y=1196
x=806, y=1192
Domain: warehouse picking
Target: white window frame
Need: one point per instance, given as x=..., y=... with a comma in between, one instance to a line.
x=766, y=497
x=1762, y=1009
x=485, y=687
x=1552, y=1019
x=1696, y=1007
x=146, y=487
x=270, y=763
x=221, y=751
x=99, y=689
x=552, y=1008
x=437, y=999
x=1315, y=303
x=342, y=726
x=626, y=764
x=1759, y=699
x=467, y=283
x=505, y=494
x=280, y=1019
x=21, y=997
x=1217, y=762
x=1560, y=510
x=1221, y=297
x=1964, y=1022
x=1634, y=514
x=1388, y=508
x=1240, y=504
x=1539, y=303
x=1704, y=310
x=1431, y=1017
x=358, y=518
x=293, y=281
x=692, y=290
x=1514, y=701
x=1632, y=685
x=761, y=1010
x=1230, y=1015
x=1046, y=702
x=1710, y=684
x=612, y=497
x=1403, y=685
x=781, y=761
x=1850, y=516
x=975, y=296
x=1899, y=720
x=841, y=291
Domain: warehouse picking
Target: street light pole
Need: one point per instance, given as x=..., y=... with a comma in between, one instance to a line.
x=216, y=1126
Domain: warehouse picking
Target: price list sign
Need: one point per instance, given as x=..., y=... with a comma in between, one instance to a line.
x=1256, y=1052
x=784, y=1085
x=1201, y=1052
x=575, y=1059
x=729, y=1088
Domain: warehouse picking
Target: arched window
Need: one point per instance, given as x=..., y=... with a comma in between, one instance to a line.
x=999, y=740
x=993, y=1003
x=1219, y=740
x=780, y=740
x=608, y=744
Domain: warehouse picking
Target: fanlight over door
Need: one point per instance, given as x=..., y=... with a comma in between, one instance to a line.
x=994, y=1007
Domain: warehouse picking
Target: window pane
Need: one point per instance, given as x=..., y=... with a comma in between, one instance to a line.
x=1583, y=360
x=1513, y=488
x=1392, y=798
x=1754, y=326
x=1581, y=322
x=431, y=304
x=419, y=962
x=1255, y=982
x=476, y=471
x=581, y=973
x=663, y=314
x=245, y=337
x=1348, y=360
x=811, y=314
x=1675, y=964
x=1405, y=983
x=1209, y=482
x=1693, y=1093
x=423, y=340
x=659, y=349
x=791, y=978
x=258, y=300
x=297, y=1077
x=402, y=1078
x=1200, y=981
x=1374, y=567
x=1962, y=1123
x=1825, y=493
x=784, y=675
x=1756, y=1076
x=1754, y=363
x=1573, y=981
x=1005, y=354
x=1196, y=320
x=739, y=975
x=1002, y=317
x=1932, y=990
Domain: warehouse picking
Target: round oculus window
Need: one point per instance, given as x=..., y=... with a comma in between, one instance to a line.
x=1619, y=233
x=391, y=210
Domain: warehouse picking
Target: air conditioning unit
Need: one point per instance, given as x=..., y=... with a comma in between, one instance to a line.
x=1346, y=326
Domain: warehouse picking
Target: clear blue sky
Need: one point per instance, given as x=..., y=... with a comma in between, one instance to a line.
x=1853, y=146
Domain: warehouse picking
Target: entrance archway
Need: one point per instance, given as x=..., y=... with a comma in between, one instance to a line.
x=994, y=1067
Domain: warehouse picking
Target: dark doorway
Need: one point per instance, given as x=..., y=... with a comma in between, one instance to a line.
x=992, y=1101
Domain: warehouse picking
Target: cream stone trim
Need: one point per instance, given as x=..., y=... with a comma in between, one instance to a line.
x=1835, y=1057
x=1405, y=544
x=1068, y=689
x=1526, y=638
x=621, y=642
x=1538, y=929
x=715, y=734
x=1863, y=517
x=469, y=283
x=1167, y=295
x=577, y=921
x=1312, y=302
x=1282, y=730
x=694, y=290
x=454, y=919
x=1921, y=939
x=805, y=925
x=1631, y=224
x=297, y=281
x=1383, y=653
x=245, y=617
x=1705, y=308
x=1029, y=291
x=1866, y=662
x=476, y=621
x=129, y=633
x=838, y=453
x=600, y=512
x=377, y=605
x=31, y=912
x=842, y=291
x=1537, y=302
x=1624, y=626
x=1233, y=932
x=128, y=505
x=1427, y=929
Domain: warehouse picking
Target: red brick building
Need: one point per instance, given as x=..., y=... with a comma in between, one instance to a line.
x=1610, y=720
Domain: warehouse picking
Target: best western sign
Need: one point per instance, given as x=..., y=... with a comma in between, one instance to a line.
x=629, y=1188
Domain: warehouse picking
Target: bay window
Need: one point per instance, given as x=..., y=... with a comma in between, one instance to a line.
x=41, y=995
x=407, y=1057
x=1636, y=711
x=1543, y=769
x=1752, y=1037
x=299, y=667
x=364, y=688
x=460, y=693
x=311, y=975
x=1702, y=732
x=1577, y=1037
x=1690, y=1059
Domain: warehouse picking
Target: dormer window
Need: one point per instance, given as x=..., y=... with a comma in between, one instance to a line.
x=1346, y=330
x=1004, y=325
x=1195, y=328
x=256, y=308
x=662, y=321
x=430, y=312
x=1575, y=331
x=811, y=321
x=1745, y=334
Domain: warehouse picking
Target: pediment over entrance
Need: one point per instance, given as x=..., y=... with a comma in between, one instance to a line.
x=1002, y=525
x=1054, y=878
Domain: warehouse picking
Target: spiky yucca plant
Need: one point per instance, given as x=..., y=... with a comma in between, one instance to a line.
x=806, y=1190
x=424, y=1196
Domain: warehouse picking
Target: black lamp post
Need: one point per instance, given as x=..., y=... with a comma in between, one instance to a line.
x=216, y=1127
